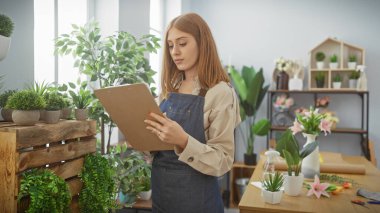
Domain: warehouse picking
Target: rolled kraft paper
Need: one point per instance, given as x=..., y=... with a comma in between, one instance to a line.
x=331, y=168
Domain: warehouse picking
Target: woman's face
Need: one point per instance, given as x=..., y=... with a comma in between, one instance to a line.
x=183, y=49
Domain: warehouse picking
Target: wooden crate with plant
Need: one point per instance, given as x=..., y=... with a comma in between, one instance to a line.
x=46, y=158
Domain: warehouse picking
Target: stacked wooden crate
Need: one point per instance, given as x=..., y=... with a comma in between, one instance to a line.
x=59, y=147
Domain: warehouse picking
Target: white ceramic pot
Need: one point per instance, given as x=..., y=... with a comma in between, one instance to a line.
x=353, y=83
x=293, y=184
x=25, y=117
x=337, y=85
x=145, y=195
x=320, y=65
x=334, y=65
x=351, y=65
x=5, y=43
x=272, y=197
x=295, y=84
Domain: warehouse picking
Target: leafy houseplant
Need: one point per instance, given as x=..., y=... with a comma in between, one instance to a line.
x=6, y=29
x=6, y=113
x=6, y=26
x=272, y=188
x=111, y=61
x=81, y=98
x=352, y=58
x=54, y=104
x=289, y=149
x=98, y=191
x=354, y=76
x=133, y=173
x=26, y=105
x=337, y=81
x=351, y=62
x=47, y=191
x=320, y=79
x=251, y=90
x=320, y=57
x=334, y=61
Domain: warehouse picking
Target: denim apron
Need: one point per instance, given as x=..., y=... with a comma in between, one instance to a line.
x=177, y=187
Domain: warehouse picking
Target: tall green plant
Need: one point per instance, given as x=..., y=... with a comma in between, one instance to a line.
x=110, y=61
x=6, y=26
x=251, y=90
x=288, y=147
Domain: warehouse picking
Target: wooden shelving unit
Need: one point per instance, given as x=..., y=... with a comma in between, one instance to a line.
x=239, y=170
x=363, y=131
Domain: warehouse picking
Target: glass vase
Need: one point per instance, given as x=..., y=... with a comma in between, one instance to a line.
x=310, y=164
x=282, y=81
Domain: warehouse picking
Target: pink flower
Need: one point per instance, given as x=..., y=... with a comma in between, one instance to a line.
x=296, y=128
x=318, y=188
x=325, y=126
x=289, y=102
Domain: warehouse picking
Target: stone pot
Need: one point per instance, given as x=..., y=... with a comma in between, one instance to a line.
x=52, y=117
x=26, y=117
x=81, y=114
x=7, y=114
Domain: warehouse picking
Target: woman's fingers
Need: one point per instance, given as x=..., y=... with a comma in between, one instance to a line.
x=158, y=118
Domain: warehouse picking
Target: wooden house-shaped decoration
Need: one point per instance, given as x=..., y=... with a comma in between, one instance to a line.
x=344, y=52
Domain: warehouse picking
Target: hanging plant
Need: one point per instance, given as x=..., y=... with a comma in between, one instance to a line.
x=98, y=191
x=47, y=192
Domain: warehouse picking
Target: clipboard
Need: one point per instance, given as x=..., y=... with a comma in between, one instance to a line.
x=128, y=106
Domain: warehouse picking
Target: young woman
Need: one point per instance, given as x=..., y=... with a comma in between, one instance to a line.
x=201, y=112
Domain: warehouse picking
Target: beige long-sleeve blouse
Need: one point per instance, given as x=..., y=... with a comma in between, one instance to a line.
x=221, y=116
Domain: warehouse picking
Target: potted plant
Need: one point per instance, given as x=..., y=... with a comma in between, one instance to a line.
x=288, y=148
x=251, y=90
x=81, y=98
x=6, y=30
x=6, y=113
x=337, y=81
x=351, y=62
x=67, y=108
x=46, y=191
x=320, y=79
x=320, y=57
x=26, y=105
x=117, y=59
x=54, y=104
x=334, y=61
x=353, y=81
x=272, y=192
x=40, y=89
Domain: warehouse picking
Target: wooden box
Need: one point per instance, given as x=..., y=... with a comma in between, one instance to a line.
x=60, y=147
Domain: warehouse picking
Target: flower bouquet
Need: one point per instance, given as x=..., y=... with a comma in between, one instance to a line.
x=322, y=102
x=283, y=64
x=283, y=103
x=311, y=123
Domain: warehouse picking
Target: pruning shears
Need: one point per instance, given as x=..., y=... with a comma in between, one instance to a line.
x=359, y=202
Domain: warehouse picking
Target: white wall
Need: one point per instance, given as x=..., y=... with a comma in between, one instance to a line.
x=255, y=32
x=18, y=66
x=134, y=17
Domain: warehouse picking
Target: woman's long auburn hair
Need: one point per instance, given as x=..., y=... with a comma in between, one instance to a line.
x=210, y=70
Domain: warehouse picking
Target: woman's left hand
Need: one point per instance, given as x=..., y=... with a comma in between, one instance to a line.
x=167, y=130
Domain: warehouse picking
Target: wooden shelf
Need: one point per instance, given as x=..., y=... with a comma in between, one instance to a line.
x=337, y=130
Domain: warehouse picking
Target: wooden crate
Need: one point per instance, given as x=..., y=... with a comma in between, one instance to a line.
x=61, y=146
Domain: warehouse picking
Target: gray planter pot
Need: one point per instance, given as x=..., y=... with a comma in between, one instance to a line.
x=66, y=113
x=81, y=114
x=25, y=118
x=52, y=117
x=7, y=114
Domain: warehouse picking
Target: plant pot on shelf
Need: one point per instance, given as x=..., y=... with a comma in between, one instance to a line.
x=282, y=81
x=25, y=117
x=272, y=197
x=353, y=83
x=320, y=83
x=320, y=65
x=7, y=114
x=250, y=159
x=52, y=117
x=334, y=65
x=145, y=195
x=66, y=113
x=351, y=65
x=81, y=114
x=293, y=184
x=5, y=43
x=337, y=85
x=295, y=83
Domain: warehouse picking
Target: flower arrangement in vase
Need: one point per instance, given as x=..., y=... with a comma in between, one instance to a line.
x=311, y=123
x=289, y=149
x=282, y=78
